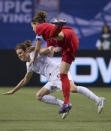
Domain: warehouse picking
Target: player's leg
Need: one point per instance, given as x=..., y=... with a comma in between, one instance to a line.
x=43, y=95
x=64, y=68
x=88, y=93
x=55, y=31
x=84, y=91
x=57, y=28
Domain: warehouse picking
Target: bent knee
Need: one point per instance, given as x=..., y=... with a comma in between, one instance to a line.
x=38, y=96
x=73, y=90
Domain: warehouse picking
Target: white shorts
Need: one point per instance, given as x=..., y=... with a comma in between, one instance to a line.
x=56, y=85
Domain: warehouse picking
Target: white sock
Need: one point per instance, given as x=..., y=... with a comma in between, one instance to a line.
x=52, y=100
x=86, y=92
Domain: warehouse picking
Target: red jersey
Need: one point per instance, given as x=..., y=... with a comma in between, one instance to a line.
x=44, y=30
x=69, y=43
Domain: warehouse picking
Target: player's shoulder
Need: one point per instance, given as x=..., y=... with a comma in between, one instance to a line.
x=42, y=27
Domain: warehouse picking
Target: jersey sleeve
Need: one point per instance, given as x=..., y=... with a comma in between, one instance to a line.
x=39, y=32
x=39, y=37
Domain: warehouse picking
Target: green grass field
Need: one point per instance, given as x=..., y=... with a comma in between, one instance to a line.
x=22, y=112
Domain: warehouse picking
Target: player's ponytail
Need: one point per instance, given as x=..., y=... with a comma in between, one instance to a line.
x=27, y=43
x=24, y=45
x=40, y=18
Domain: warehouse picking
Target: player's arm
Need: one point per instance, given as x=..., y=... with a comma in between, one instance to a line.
x=37, y=48
x=45, y=51
x=23, y=82
x=99, y=45
x=49, y=51
x=36, y=51
x=42, y=51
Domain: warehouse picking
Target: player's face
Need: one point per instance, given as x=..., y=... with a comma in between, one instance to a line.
x=34, y=26
x=21, y=55
x=106, y=30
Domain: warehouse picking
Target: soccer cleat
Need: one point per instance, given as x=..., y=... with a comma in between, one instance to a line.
x=65, y=114
x=100, y=104
x=65, y=108
x=59, y=22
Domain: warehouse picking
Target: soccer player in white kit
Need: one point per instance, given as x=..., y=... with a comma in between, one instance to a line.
x=47, y=67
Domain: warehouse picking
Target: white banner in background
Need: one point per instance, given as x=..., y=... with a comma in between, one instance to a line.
x=96, y=65
x=16, y=11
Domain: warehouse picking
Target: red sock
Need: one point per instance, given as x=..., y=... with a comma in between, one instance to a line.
x=55, y=31
x=65, y=87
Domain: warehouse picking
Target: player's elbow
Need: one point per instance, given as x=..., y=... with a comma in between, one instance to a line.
x=38, y=49
x=73, y=90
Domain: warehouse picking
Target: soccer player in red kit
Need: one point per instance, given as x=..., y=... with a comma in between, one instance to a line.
x=62, y=36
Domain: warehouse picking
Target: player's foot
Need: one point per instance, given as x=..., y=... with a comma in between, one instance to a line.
x=65, y=114
x=65, y=108
x=100, y=104
x=59, y=22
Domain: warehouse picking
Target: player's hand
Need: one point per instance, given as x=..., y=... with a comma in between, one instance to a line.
x=8, y=93
x=31, y=62
x=30, y=49
x=56, y=49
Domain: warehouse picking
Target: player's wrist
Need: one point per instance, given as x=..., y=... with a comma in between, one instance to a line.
x=13, y=91
x=50, y=48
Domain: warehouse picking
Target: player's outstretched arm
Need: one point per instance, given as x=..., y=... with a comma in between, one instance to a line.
x=23, y=82
x=46, y=51
x=49, y=51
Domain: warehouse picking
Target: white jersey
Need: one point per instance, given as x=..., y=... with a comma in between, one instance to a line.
x=44, y=66
x=47, y=67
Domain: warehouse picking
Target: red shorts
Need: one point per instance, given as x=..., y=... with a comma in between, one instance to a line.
x=69, y=45
x=68, y=57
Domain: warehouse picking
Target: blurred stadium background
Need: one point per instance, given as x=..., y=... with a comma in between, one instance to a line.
x=92, y=68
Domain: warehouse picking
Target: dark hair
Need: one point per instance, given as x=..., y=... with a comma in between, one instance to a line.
x=40, y=18
x=24, y=45
x=107, y=26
